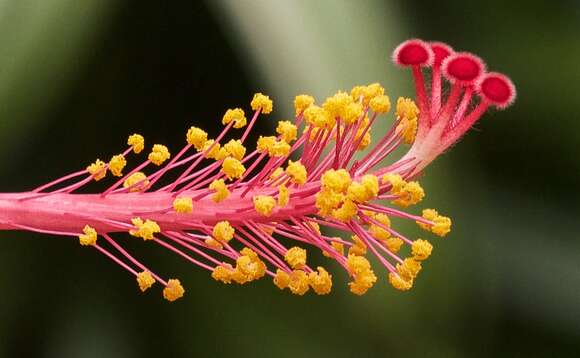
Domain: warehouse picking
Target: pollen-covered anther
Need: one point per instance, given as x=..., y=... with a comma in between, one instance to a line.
x=145, y=280
x=197, y=138
x=159, y=154
x=89, y=236
x=249, y=267
x=281, y=279
x=183, y=205
x=223, y=273
x=301, y=102
x=144, y=229
x=236, y=115
x=413, y=52
x=283, y=196
x=337, y=246
x=463, y=68
x=336, y=180
x=287, y=130
x=497, y=89
x=321, y=281
x=421, y=249
x=364, y=277
x=393, y=244
x=137, y=143
x=132, y=180
x=299, y=282
x=441, y=224
x=366, y=190
x=409, y=269
x=235, y=149
x=377, y=231
x=262, y=103
x=98, y=170
x=296, y=257
x=411, y=194
x=264, y=204
x=297, y=172
x=233, y=168
x=380, y=104
x=221, y=190
x=173, y=290
x=117, y=164
x=223, y=231
x=346, y=211
x=399, y=283
x=359, y=248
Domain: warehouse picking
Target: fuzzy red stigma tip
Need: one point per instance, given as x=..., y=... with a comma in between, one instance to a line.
x=463, y=68
x=497, y=89
x=440, y=52
x=413, y=53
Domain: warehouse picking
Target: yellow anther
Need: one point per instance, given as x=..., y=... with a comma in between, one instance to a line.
x=373, y=90
x=213, y=243
x=301, y=102
x=297, y=172
x=283, y=195
x=364, y=277
x=213, y=150
x=406, y=108
x=276, y=173
x=441, y=224
x=173, y=290
x=133, y=179
x=346, y=211
x=410, y=194
x=338, y=246
x=321, y=281
x=298, y=284
x=394, y=244
x=183, y=205
x=223, y=231
x=261, y=102
x=89, y=236
x=287, y=130
x=144, y=230
x=364, y=191
x=377, y=231
x=264, y=204
x=357, y=93
x=249, y=267
x=117, y=164
x=145, y=280
x=223, y=273
x=397, y=183
x=409, y=269
x=397, y=282
x=380, y=104
x=421, y=249
x=221, y=190
x=279, y=149
x=296, y=257
x=137, y=142
x=328, y=200
x=319, y=118
x=336, y=180
x=359, y=248
x=352, y=112
x=281, y=279
x=233, y=168
x=196, y=137
x=98, y=170
x=265, y=143
x=236, y=115
x=235, y=149
x=407, y=128
x=159, y=154
x=337, y=104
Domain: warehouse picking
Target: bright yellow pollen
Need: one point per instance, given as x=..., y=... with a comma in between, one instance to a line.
x=321, y=281
x=346, y=211
x=213, y=243
x=441, y=224
x=301, y=102
x=249, y=267
x=297, y=172
x=406, y=108
x=173, y=290
x=221, y=190
x=364, y=277
x=327, y=201
x=281, y=279
x=407, y=128
x=336, y=180
x=98, y=170
x=377, y=231
x=159, y=154
x=359, y=248
x=319, y=118
x=380, y=104
x=117, y=164
x=89, y=236
x=145, y=280
x=296, y=257
x=410, y=194
x=236, y=115
x=364, y=191
x=183, y=205
x=144, y=230
x=298, y=284
x=287, y=130
x=223, y=273
x=397, y=282
x=265, y=143
x=338, y=104
x=135, y=178
x=409, y=269
x=276, y=173
x=137, y=142
x=196, y=137
x=223, y=231
x=352, y=112
x=233, y=168
x=264, y=204
x=421, y=249
x=394, y=244
x=338, y=246
x=235, y=149
x=261, y=102
x=283, y=196
x=396, y=181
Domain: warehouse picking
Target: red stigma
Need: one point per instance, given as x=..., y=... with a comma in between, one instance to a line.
x=413, y=53
x=464, y=68
x=440, y=51
x=497, y=89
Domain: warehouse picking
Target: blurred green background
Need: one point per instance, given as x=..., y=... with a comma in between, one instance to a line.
x=77, y=76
